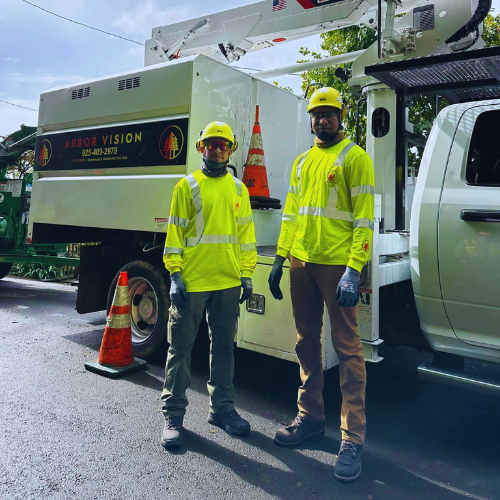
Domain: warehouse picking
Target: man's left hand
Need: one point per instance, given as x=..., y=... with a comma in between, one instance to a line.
x=246, y=284
x=347, y=293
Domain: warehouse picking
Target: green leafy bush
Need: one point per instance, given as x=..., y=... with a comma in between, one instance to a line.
x=37, y=271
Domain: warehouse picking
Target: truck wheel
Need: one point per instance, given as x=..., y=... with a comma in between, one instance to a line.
x=5, y=268
x=148, y=288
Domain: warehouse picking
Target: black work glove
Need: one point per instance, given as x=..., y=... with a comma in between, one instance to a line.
x=246, y=284
x=178, y=293
x=275, y=277
x=348, y=288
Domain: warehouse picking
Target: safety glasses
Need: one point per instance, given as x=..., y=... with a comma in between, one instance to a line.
x=213, y=145
x=329, y=115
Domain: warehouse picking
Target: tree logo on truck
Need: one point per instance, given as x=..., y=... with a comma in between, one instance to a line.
x=44, y=152
x=171, y=142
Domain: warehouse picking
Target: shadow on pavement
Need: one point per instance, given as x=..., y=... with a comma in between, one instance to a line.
x=302, y=477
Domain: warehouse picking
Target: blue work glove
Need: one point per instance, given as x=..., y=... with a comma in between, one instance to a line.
x=275, y=277
x=246, y=284
x=348, y=289
x=178, y=293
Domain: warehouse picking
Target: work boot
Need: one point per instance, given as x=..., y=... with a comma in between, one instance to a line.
x=171, y=436
x=230, y=421
x=299, y=430
x=348, y=466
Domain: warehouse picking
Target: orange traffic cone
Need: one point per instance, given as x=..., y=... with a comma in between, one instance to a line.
x=115, y=356
x=255, y=174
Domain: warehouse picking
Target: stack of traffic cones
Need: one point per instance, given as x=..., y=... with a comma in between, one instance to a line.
x=255, y=174
x=115, y=357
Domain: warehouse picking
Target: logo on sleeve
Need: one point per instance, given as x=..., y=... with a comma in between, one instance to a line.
x=365, y=246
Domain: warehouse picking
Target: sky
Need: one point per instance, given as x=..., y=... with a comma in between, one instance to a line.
x=39, y=51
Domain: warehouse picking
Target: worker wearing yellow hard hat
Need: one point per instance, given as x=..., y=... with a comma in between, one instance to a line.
x=210, y=252
x=326, y=231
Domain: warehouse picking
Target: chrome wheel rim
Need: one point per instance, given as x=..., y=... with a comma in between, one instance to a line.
x=143, y=309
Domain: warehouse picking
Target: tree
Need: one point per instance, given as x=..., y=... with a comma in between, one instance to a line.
x=340, y=42
x=353, y=38
x=22, y=166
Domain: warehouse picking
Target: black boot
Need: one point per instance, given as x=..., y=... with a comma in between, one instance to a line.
x=348, y=466
x=171, y=436
x=300, y=430
x=230, y=421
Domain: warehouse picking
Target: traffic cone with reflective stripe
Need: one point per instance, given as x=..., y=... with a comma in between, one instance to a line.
x=255, y=174
x=116, y=357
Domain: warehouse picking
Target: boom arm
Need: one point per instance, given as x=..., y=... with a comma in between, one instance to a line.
x=16, y=144
x=230, y=34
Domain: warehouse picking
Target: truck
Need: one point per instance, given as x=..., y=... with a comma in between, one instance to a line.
x=15, y=198
x=110, y=151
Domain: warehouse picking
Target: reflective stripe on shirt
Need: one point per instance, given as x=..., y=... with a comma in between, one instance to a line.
x=168, y=250
x=341, y=157
x=239, y=189
x=333, y=214
x=299, y=167
x=364, y=189
x=246, y=247
x=195, y=191
x=364, y=223
x=200, y=223
x=289, y=217
x=178, y=221
x=211, y=238
x=245, y=220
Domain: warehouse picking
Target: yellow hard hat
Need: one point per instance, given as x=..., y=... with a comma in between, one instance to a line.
x=217, y=129
x=327, y=96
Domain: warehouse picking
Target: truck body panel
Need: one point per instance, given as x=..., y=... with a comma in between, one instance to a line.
x=108, y=194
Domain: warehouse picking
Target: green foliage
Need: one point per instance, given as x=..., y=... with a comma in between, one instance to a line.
x=491, y=31
x=340, y=42
x=22, y=166
x=423, y=108
x=288, y=89
x=37, y=271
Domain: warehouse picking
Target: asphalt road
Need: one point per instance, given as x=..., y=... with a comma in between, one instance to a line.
x=68, y=433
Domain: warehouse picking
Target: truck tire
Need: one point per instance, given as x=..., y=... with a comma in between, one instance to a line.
x=148, y=287
x=5, y=268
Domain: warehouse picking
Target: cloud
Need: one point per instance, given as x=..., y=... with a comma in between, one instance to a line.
x=42, y=80
x=136, y=53
x=148, y=15
x=13, y=117
x=10, y=59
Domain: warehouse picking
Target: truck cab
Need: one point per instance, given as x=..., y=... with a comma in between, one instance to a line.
x=455, y=233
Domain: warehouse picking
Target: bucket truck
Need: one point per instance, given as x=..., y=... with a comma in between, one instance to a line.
x=116, y=147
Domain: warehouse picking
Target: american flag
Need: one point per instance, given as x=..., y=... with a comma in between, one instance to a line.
x=279, y=5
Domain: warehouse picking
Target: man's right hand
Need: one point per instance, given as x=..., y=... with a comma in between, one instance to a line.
x=275, y=277
x=178, y=293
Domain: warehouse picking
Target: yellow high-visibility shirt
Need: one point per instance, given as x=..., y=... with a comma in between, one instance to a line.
x=211, y=234
x=329, y=209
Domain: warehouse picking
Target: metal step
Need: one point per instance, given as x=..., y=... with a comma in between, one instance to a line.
x=370, y=350
x=459, y=379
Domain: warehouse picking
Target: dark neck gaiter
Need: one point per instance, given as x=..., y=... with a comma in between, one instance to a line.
x=214, y=169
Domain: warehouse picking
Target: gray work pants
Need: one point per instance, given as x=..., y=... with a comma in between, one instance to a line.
x=222, y=313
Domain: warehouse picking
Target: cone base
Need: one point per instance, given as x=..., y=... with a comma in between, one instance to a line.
x=115, y=371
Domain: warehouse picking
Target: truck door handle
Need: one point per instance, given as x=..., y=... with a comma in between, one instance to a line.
x=480, y=215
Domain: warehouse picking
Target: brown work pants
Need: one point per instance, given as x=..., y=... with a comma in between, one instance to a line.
x=311, y=286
